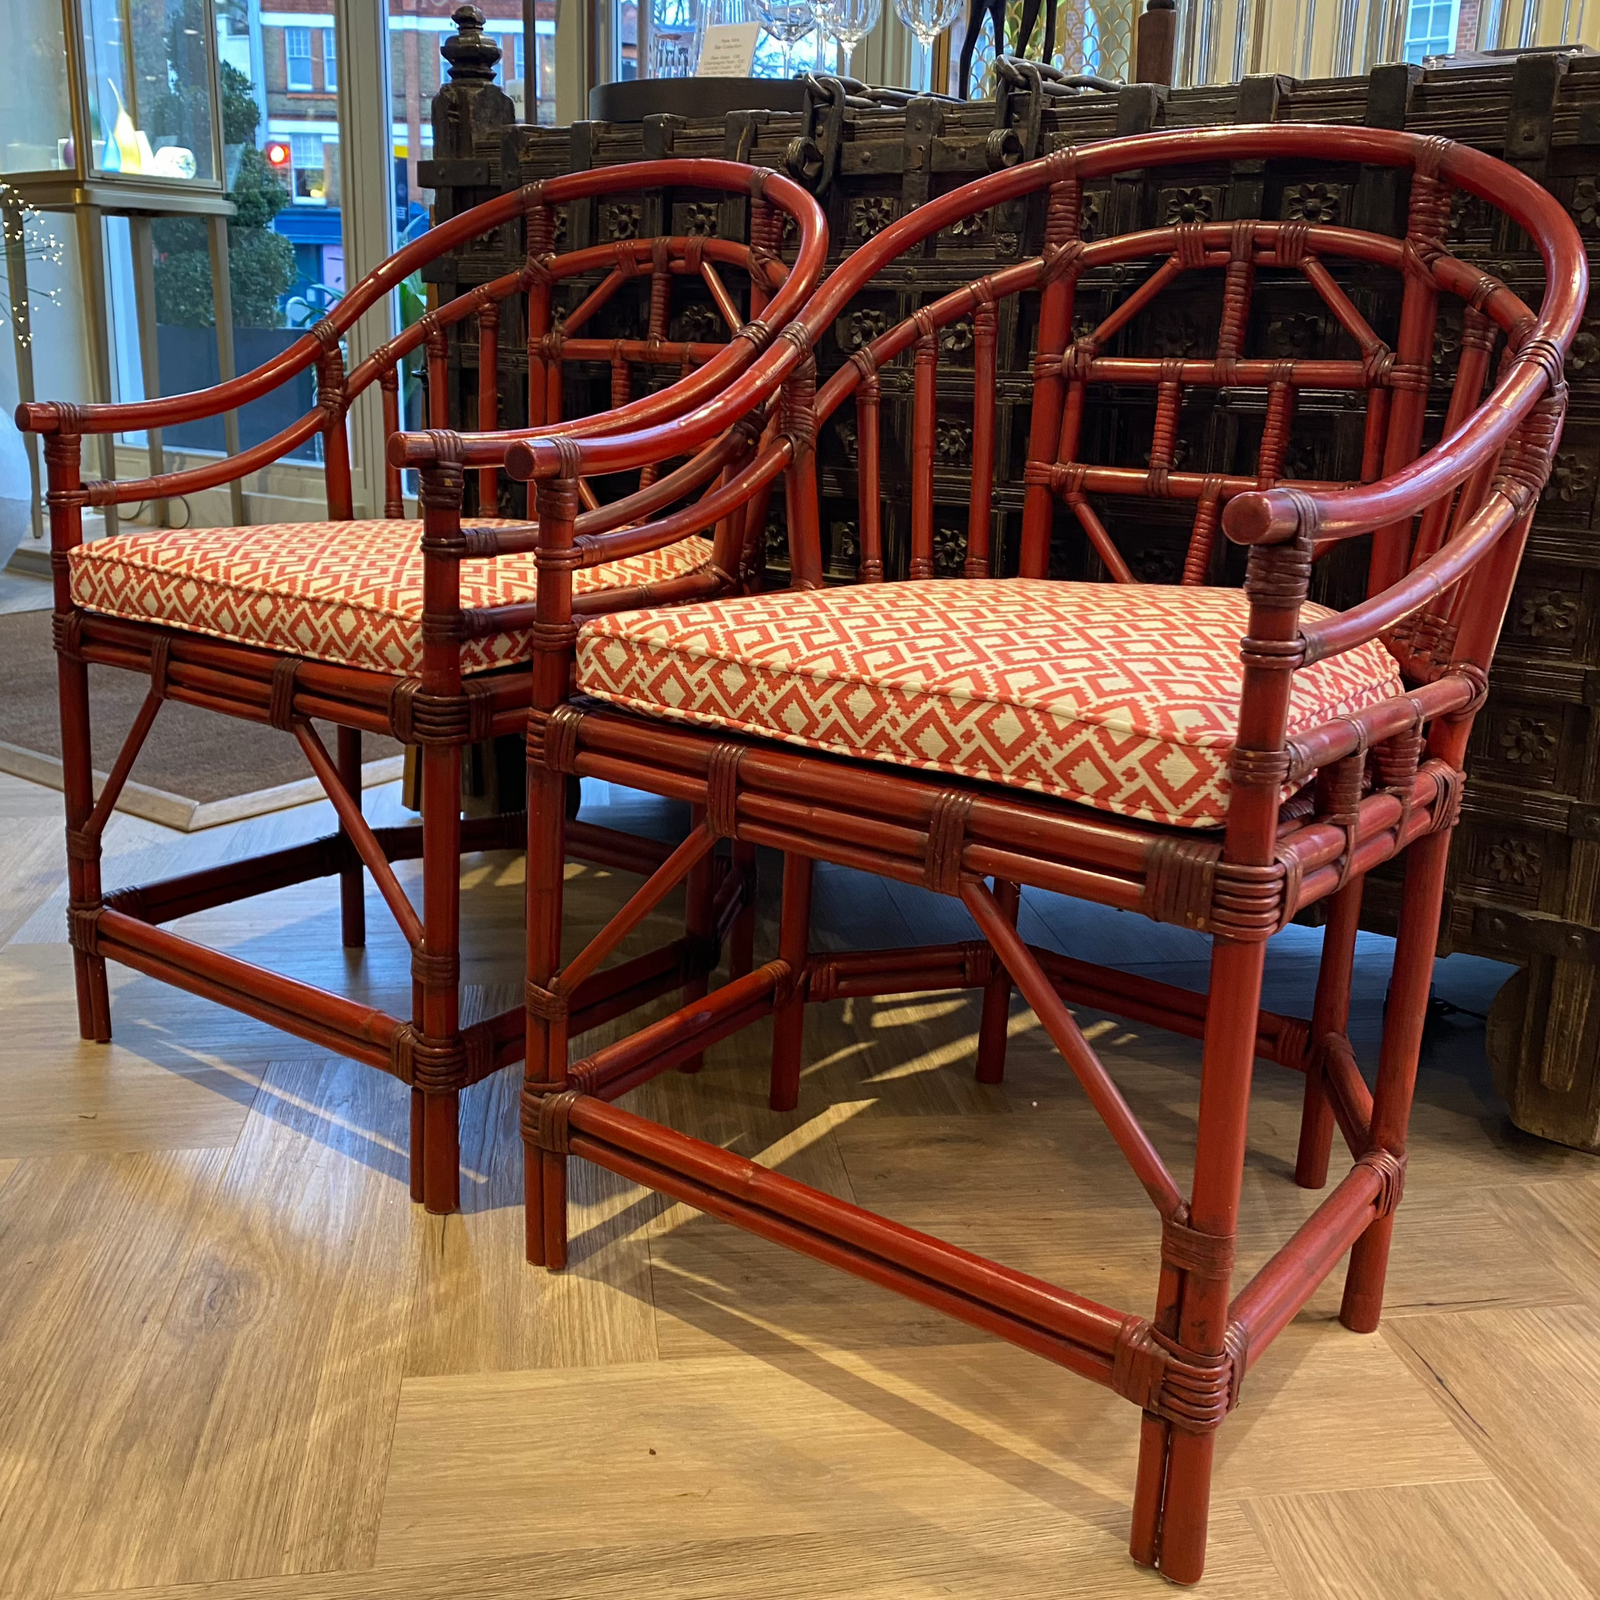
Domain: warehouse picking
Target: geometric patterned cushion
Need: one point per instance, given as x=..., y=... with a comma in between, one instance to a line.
x=1123, y=697
x=349, y=592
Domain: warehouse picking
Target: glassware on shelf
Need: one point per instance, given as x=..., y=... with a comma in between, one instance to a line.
x=928, y=19
x=675, y=33
x=149, y=91
x=789, y=21
x=848, y=22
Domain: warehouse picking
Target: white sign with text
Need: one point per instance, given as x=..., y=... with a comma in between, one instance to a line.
x=729, y=50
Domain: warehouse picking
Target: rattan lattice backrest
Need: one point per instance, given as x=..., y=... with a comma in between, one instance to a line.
x=1103, y=350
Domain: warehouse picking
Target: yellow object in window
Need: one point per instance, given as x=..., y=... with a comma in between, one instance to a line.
x=125, y=136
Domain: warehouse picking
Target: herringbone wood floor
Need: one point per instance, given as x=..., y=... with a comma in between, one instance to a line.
x=235, y=1362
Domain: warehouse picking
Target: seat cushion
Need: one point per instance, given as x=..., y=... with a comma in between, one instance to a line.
x=349, y=592
x=1123, y=697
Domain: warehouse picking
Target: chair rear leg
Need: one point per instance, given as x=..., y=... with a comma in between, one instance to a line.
x=545, y=1071
x=352, y=881
x=996, y=1016
x=742, y=937
x=1175, y=1463
x=83, y=851
x=789, y=1015
x=1397, y=1063
x=1330, y=1013
x=699, y=924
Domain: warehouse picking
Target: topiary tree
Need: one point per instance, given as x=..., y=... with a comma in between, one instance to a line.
x=261, y=265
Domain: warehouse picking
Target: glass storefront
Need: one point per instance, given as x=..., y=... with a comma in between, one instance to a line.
x=35, y=104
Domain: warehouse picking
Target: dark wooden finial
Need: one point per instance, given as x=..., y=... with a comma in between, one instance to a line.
x=471, y=53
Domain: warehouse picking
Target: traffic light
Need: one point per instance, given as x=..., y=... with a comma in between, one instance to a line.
x=277, y=153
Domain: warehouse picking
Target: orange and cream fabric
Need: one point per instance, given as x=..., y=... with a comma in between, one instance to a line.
x=349, y=592
x=1118, y=696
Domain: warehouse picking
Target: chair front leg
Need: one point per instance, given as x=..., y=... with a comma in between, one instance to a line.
x=1397, y=1063
x=1172, y=1498
x=63, y=454
x=545, y=1072
x=83, y=847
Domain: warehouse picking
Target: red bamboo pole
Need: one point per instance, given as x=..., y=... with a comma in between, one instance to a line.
x=995, y=1017
x=644, y=900
x=394, y=504
x=923, y=419
x=488, y=400
x=363, y=1032
x=1268, y=1303
x=352, y=887
x=1397, y=1063
x=63, y=465
x=1058, y=1022
x=1068, y=1316
x=868, y=490
x=789, y=1013
x=353, y=828
x=1330, y=1013
x=672, y=1041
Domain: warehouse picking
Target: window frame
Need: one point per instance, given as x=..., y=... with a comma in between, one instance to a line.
x=1430, y=43
x=291, y=37
x=296, y=167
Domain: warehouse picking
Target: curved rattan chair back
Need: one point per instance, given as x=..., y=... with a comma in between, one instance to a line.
x=549, y=305
x=1102, y=332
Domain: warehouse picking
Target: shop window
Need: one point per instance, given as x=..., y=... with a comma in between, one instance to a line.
x=544, y=61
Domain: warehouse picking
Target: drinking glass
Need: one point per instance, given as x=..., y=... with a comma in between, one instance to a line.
x=788, y=21
x=849, y=22
x=928, y=19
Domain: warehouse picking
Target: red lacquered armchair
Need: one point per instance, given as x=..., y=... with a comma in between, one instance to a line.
x=1215, y=757
x=418, y=629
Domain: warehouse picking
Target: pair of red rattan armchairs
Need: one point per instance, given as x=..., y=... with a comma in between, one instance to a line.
x=1213, y=756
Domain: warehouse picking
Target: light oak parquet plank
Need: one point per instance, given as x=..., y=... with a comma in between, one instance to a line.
x=1523, y=1386
x=799, y=1440
x=1021, y=1557
x=91, y=1252
x=1558, y=1223
x=33, y=865
x=476, y=1307
x=180, y=1074
x=256, y=1440
x=1442, y=1541
x=842, y=1451
x=19, y=798
x=1048, y=1194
